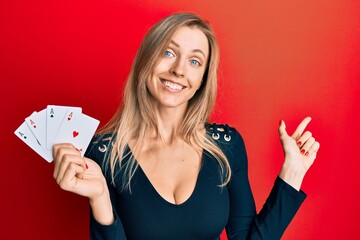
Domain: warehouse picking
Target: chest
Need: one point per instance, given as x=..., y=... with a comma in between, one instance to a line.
x=172, y=171
x=147, y=215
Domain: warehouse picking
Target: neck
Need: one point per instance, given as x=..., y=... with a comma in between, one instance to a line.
x=169, y=121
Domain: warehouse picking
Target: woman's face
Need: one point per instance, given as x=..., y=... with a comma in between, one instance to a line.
x=179, y=74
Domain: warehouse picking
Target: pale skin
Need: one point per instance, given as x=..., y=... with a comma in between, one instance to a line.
x=172, y=165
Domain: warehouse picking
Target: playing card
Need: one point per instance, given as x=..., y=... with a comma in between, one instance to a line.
x=54, y=117
x=37, y=123
x=25, y=134
x=78, y=129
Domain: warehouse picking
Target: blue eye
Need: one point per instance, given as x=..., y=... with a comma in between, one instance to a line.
x=195, y=62
x=168, y=54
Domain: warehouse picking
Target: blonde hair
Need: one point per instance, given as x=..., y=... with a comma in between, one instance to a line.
x=135, y=118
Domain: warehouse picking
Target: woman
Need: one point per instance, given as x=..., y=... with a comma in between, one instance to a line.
x=160, y=170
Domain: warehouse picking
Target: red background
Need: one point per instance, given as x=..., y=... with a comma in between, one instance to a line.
x=279, y=60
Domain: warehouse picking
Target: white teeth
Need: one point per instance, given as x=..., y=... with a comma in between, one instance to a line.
x=172, y=85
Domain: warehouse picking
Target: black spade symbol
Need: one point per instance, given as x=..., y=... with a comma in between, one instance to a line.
x=51, y=116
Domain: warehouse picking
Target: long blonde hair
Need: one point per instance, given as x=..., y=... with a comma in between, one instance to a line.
x=135, y=118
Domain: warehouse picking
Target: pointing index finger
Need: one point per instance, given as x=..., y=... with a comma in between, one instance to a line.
x=300, y=129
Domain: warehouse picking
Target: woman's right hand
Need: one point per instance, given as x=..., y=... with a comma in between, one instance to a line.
x=84, y=177
x=77, y=174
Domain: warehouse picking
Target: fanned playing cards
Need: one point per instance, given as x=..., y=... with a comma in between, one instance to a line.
x=57, y=124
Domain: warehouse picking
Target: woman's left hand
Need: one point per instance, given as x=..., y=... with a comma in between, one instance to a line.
x=300, y=151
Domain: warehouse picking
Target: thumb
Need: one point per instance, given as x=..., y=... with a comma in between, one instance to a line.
x=282, y=129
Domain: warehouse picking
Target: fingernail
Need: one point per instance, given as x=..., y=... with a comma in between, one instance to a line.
x=307, y=154
x=87, y=167
x=299, y=143
x=302, y=151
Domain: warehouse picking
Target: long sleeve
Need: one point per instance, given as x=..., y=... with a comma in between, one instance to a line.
x=277, y=212
x=97, y=230
x=107, y=232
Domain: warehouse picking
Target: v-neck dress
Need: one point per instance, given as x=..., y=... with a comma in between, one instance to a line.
x=144, y=214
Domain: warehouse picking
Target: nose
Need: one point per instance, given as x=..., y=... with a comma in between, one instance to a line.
x=177, y=68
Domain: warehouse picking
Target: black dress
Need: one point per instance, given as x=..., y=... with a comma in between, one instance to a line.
x=144, y=214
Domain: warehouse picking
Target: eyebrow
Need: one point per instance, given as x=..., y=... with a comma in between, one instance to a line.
x=195, y=50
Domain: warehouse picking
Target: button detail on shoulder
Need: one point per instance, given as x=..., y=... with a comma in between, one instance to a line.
x=104, y=144
x=227, y=137
x=215, y=136
x=218, y=131
x=102, y=148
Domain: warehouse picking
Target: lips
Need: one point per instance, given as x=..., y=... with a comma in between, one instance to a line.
x=172, y=85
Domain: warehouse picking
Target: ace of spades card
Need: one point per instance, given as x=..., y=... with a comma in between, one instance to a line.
x=55, y=115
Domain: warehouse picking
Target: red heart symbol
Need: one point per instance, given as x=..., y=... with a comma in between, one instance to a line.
x=69, y=118
x=75, y=133
x=34, y=126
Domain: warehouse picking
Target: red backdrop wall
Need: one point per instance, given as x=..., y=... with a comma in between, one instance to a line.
x=279, y=60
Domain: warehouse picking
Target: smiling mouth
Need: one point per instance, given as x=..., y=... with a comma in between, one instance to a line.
x=171, y=85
